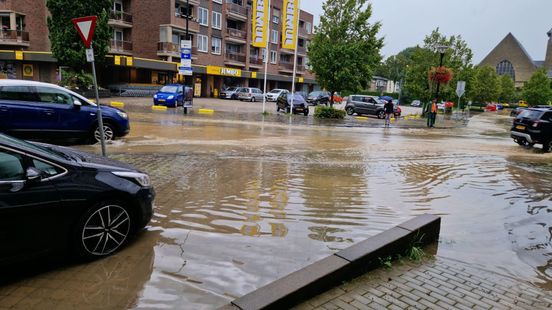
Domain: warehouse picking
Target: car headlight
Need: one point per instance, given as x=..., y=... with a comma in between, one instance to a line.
x=122, y=114
x=170, y=97
x=140, y=178
x=155, y=96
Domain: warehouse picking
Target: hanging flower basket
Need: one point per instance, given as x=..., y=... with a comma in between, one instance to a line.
x=441, y=75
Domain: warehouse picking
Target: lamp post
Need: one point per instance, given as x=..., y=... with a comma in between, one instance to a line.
x=441, y=49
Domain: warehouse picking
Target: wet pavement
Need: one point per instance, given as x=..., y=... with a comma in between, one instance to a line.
x=242, y=202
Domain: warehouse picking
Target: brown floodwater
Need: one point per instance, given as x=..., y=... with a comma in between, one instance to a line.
x=242, y=202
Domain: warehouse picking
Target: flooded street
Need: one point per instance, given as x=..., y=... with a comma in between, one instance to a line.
x=242, y=202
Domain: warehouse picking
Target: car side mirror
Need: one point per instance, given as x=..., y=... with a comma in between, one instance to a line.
x=33, y=175
x=77, y=104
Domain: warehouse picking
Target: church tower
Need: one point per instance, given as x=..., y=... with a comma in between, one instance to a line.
x=548, y=58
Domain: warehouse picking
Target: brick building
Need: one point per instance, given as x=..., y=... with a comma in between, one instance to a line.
x=510, y=57
x=145, y=47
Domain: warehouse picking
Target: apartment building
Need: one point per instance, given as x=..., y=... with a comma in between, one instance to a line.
x=145, y=47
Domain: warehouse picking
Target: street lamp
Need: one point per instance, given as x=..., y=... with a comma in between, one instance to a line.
x=442, y=50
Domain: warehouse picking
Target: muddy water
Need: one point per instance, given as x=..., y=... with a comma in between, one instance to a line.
x=242, y=203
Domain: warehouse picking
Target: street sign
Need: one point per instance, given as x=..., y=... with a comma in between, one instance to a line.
x=85, y=26
x=89, y=55
x=185, y=67
x=460, y=88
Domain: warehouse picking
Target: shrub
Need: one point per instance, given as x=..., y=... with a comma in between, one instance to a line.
x=77, y=80
x=328, y=112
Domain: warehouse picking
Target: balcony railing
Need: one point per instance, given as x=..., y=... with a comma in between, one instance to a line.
x=288, y=66
x=256, y=60
x=172, y=48
x=14, y=36
x=123, y=46
x=236, y=33
x=301, y=50
x=121, y=16
x=232, y=56
x=236, y=8
x=303, y=32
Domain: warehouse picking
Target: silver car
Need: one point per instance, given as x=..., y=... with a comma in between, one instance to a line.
x=230, y=93
x=250, y=94
x=274, y=94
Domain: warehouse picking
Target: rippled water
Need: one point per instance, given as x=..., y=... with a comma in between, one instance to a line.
x=240, y=205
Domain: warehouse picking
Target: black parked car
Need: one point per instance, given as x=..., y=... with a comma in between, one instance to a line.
x=362, y=104
x=299, y=104
x=533, y=126
x=54, y=199
x=318, y=97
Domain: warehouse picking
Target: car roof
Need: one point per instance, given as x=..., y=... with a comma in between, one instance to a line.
x=28, y=83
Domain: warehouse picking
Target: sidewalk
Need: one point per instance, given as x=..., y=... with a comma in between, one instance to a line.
x=438, y=283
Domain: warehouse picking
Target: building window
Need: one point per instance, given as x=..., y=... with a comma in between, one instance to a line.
x=181, y=10
x=505, y=68
x=273, y=57
x=203, y=16
x=276, y=16
x=308, y=26
x=216, y=44
x=217, y=20
x=274, y=36
x=202, y=43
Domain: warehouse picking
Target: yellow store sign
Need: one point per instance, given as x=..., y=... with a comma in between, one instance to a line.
x=214, y=70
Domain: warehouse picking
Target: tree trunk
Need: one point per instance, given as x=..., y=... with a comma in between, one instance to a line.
x=332, y=98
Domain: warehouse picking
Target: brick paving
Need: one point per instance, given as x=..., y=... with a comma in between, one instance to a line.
x=433, y=284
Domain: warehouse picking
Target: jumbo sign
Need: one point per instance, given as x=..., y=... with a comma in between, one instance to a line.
x=214, y=70
x=260, y=19
x=289, y=31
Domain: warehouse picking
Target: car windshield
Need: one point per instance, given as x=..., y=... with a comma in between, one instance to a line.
x=531, y=114
x=32, y=146
x=275, y=91
x=315, y=93
x=231, y=89
x=297, y=97
x=169, y=89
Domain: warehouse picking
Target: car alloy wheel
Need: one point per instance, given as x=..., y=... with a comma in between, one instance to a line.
x=109, y=133
x=350, y=111
x=105, y=230
x=381, y=114
x=252, y=99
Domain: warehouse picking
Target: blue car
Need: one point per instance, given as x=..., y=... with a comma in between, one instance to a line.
x=37, y=110
x=172, y=95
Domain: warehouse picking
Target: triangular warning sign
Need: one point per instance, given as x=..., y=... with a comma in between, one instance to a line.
x=85, y=27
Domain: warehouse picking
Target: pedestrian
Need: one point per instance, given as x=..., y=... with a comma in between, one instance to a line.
x=432, y=114
x=388, y=108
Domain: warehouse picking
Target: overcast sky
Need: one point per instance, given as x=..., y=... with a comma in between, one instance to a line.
x=482, y=23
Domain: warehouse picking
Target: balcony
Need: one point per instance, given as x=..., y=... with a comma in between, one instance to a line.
x=120, y=19
x=236, y=11
x=288, y=67
x=301, y=50
x=192, y=2
x=304, y=34
x=256, y=61
x=236, y=35
x=171, y=49
x=233, y=58
x=180, y=21
x=120, y=47
x=14, y=37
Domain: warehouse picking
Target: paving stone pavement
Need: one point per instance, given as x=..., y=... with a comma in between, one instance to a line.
x=433, y=284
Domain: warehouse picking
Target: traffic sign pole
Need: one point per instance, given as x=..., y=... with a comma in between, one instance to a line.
x=99, y=113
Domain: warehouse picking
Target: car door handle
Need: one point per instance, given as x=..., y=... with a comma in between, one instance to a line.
x=48, y=112
x=3, y=109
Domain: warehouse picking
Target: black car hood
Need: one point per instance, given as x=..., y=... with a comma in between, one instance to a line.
x=88, y=160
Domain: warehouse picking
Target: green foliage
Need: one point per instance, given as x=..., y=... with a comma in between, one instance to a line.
x=77, y=80
x=507, y=89
x=328, y=112
x=394, y=67
x=537, y=91
x=485, y=85
x=67, y=46
x=415, y=253
x=345, y=49
x=386, y=262
x=458, y=57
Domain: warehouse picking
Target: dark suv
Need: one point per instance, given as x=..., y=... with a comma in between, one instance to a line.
x=318, y=97
x=361, y=104
x=533, y=126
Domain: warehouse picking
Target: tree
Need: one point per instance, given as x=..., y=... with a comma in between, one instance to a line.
x=345, y=50
x=486, y=85
x=67, y=46
x=394, y=67
x=458, y=57
x=538, y=89
x=507, y=89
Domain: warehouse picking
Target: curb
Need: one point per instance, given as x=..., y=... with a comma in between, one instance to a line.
x=159, y=108
x=341, y=266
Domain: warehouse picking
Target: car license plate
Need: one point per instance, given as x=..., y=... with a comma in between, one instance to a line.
x=161, y=100
x=520, y=127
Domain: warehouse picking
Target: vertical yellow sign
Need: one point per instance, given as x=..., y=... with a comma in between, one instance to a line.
x=260, y=23
x=117, y=60
x=289, y=27
x=129, y=61
x=18, y=55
